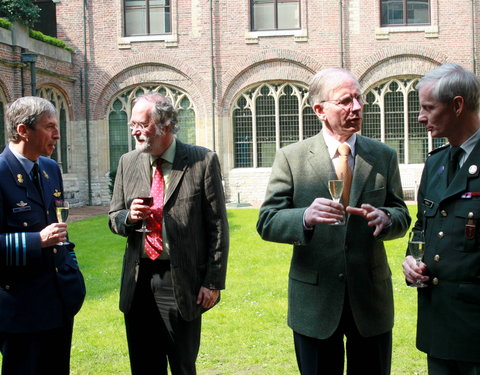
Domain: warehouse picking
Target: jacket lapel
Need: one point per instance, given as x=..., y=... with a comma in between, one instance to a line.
x=179, y=167
x=363, y=167
x=320, y=162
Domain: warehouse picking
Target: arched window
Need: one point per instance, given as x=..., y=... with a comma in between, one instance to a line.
x=120, y=139
x=267, y=117
x=391, y=115
x=60, y=154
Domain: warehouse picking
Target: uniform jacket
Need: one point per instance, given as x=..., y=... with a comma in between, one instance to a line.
x=39, y=287
x=449, y=308
x=194, y=217
x=328, y=260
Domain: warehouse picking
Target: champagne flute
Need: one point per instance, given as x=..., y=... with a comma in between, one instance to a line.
x=416, y=247
x=335, y=187
x=62, y=209
x=148, y=201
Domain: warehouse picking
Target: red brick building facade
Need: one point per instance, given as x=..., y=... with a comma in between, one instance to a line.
x=238, y=73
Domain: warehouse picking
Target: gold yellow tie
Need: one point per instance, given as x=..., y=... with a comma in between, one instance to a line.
x=344, y=172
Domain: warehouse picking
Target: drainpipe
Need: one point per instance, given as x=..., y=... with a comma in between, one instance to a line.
x=342, y=63
x=212, y=57
x=31, y=58
x=474, y=51
x=87, y=102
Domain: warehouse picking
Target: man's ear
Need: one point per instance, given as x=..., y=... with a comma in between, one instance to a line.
x=458, y=105
x=318, y=109
x=22, y=131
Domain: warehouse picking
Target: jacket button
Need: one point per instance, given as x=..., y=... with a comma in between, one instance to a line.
x=441, y=234
x=7, y=287
x=444, y=213
x=435, y=281
x=25, y=224
x=56, y=269
x=55, y=250
x=341, y=276
x=436, y=258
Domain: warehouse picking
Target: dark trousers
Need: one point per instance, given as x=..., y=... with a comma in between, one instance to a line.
x=156, y=333
x=365, y=355
x=438, y=366
x=38, y=353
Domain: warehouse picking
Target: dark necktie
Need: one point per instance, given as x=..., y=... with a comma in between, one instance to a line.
x=453, y=161
x=153, y=239
x=36, y=178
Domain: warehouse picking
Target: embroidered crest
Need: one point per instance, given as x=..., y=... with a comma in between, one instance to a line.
x=57, y=194
x=21, y=204
x=20, y=178
x=45, y=174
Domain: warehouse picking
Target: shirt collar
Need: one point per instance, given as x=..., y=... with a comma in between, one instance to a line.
x=26, y=163
x=470, y=143
x=332, y=144
x=168, y=155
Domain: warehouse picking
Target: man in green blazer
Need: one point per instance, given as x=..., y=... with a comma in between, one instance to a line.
x=448, y=327
x=340, y=281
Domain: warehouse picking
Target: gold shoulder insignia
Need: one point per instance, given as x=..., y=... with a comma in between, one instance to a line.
x=45, y=174
x=57, y=194
x=20, y=178
x=21, y=204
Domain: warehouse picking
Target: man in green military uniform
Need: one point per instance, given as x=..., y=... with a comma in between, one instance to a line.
x=448, y=327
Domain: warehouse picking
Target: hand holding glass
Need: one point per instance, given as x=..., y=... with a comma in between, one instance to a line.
x=416, y=247
x=335, y=187
x=62, y=209
x=148, y=201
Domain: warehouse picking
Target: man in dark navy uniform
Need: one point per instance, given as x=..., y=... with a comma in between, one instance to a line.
x=41, y=287
x=448, y=327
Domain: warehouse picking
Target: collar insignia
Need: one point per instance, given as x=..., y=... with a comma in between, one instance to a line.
x=20, y=178
x=57, y=194
x=473, y=169
x=45, y=174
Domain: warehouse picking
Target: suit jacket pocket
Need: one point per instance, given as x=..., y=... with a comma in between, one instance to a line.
x=304, y=275
x=376, y=197
x=71, y=283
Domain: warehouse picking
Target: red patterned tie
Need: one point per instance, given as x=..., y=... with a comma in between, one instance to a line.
x=153, y=239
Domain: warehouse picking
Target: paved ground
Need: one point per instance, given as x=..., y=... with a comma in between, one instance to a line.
x=79, y=213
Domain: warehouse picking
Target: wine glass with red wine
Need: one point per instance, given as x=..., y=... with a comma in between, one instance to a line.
x=148, y=201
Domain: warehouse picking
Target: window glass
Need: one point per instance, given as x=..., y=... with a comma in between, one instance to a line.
x=147, y=17
x=288, y=15
x=418, y=12
x=405, y=12
x=264, y=16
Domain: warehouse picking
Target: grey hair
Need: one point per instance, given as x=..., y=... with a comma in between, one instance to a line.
x=451, y=80
x=26, y=110
x=163, y=112
x=325, y=81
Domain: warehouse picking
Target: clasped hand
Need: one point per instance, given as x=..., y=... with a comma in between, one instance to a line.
x=326, y=211
x=414, y=272
x=138, y=211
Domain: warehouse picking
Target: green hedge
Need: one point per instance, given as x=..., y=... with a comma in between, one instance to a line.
x=5, y=24
x=48, y=39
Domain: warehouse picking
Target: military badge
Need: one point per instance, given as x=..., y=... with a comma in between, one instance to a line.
x=21, y=204
x=20, y=178
x=57, y=194
x=472, y=169
x=45, y=174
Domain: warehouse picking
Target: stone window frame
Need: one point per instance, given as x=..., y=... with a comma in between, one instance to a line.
x=170, y=40
x=405, y=17
x=126, y=98
x=63, y=147
x=402, y=110
x=263, y=138
x=3, y=123
x=300, y=35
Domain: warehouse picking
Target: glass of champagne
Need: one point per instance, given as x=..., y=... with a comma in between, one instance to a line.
x=335, y=187
x=416, y=247
x=148, y=201
x=62, y=209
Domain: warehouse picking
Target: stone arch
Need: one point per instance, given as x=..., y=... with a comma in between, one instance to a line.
x=398, y=61
x=66, y=97
x=148, y=69
x=269, y=65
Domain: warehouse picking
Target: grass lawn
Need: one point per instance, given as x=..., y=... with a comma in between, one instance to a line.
x=246, y=333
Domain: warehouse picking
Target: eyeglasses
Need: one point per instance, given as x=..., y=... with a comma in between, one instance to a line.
x=345, y=103
x=139, y=125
